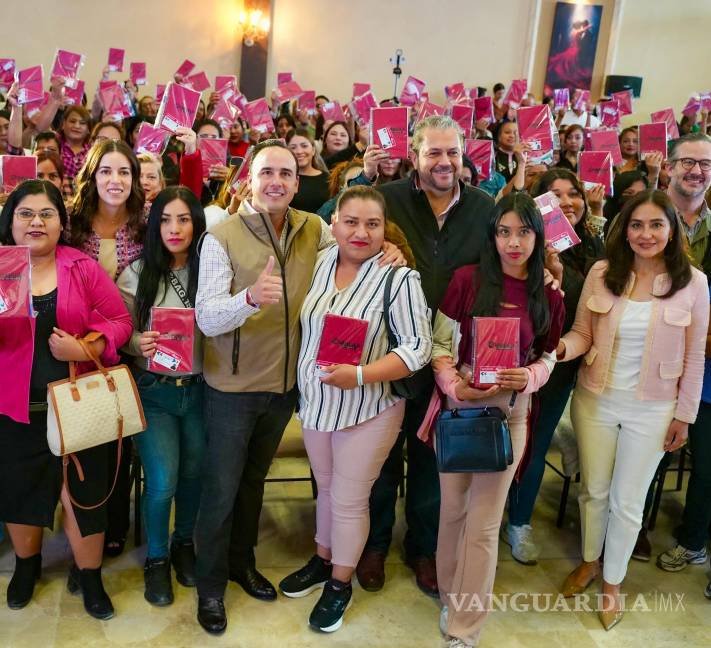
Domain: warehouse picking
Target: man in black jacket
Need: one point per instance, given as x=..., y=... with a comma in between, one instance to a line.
x=445, y=223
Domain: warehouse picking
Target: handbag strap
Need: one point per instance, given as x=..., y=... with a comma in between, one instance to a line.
x=179, y=289
x=392, y=340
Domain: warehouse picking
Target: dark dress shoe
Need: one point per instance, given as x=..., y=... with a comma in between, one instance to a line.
x=22, y=583
x=371, y=570
x=211, y=615
x=254, y=584
x=182, y=555
x=642, y=548
x=425, y=574
x=88, y=581
x=156, y=576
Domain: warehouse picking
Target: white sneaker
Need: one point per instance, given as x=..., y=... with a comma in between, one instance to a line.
x=458, y=643
x=443, y=620
x=677, y=558
x=523, y=548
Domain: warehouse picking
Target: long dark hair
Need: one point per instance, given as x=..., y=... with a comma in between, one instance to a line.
x=86, y=200
x=620, y=256
x=490, y=278
x=24, y=189
x=156, y=259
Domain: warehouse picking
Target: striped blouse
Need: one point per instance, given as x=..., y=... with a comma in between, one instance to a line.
x=328, y=408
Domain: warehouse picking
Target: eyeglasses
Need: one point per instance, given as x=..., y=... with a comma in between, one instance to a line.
x=29, y=214
x=689, y=163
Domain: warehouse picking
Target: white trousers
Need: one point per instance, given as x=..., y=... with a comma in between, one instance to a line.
x=620, y=441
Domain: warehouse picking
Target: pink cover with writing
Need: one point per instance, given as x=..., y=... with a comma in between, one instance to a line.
x=174, y=348
x=666, y=115
x=197, y=81
x=225, y=85
x=186, y=67
x=74, y=96
x=515, y=93
x=112, y=100
x=307, y=101
x=116, y=57
x=464, y=116
x=581, y=99
x=332, y=111
x=30, y=85
x=455, y=92
x=15, y=282
x=561, y=99
x=534, y=128
x=595, y=167
x=225, y=114
x=160, y=91
x=484, y=109
x=212, y=151
x=178, y=107
x=32, y=108
x=15, y=169
x=288, y=90
x=388, y=129
x=284, y=77
x=137, y=73
x=624, y=98
x=495, y=345
x=7, y=73
x=362, y=105
x=427, y=109
x=481, y=153
x=359, y=89
x=66, y=65
x=258, y=115
x=692, y=106
x=411, y=91
x=609, y=113
x=607, y=140
x=151, y=139
x=557, y=228
x=342, y=340
x=652, y=137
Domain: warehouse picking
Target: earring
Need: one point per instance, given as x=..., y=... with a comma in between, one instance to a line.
x=671, y=237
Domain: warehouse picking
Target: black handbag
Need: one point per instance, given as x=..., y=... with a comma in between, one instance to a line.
x=417, y=383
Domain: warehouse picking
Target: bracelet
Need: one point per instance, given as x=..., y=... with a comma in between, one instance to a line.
x=359, y=375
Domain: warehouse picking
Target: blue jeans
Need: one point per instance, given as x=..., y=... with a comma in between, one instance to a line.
x=172, y=450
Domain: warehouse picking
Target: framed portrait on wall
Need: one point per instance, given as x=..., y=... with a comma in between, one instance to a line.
x=571, y=58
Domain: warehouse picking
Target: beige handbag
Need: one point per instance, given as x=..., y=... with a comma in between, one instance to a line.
x=88, y=410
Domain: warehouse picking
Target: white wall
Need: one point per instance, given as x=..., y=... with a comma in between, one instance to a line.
x=329, y=44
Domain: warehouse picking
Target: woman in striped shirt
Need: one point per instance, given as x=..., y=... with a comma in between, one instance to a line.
x=350, y=415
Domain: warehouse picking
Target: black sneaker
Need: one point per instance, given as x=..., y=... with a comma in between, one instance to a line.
x=156, y=576
x=327, y=615
x=309, y=578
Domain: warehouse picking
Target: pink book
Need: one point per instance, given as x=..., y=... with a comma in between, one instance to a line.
x=186, y=67
x=74, y=96
x=160, y=91
x=287, y=91
x=481, y=153
x=30, y=85
x=239, y=100
x=411, y=91
x=32, y=108
x=595, y=167
x=197, y=81
x=15, y=282
x=342, y=340
x=178, y=107
x=692, y=106
x=225, y=114
x=609, y=113
x=66, y=66
x=667, y=116
x=388, y=129
x=495, y=345
x=225, y=85
x=455, y=92
x=515, y=93
x=243, y=171
x=607, y=140
x=212, y=151
x=581, y=99
x=624, y=98
x=258, y=115
x=557, y=228
x=427, y=109
x=116, y=57
x=652, y=137
x=307, y=101
x=174, y=348
x=534, y=128
x=284, y=77
x=151, y=140
x=463, y=115
x=137, y=73
x=362, y=105
x=332, y=111
x=359, y=89
x=112, y=100
x=15, y=169
x=7, y=73
x=484, y=109
x=561, y=99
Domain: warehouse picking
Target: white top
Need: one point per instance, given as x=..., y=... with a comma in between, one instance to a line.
x=214, y=214
x=327, y=408
x=571, y=118
x=628, y=349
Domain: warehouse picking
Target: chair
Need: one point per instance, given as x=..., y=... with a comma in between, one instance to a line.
x=660, y=477
x=292, y=446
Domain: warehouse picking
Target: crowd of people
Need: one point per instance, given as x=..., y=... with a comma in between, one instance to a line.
x=328, y=224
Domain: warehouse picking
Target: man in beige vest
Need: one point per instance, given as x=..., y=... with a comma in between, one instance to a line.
x=255, y=270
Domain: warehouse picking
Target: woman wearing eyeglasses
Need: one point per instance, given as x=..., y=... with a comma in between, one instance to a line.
x=71, y=296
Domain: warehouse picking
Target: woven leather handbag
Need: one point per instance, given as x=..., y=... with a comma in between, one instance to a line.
x=88, y=410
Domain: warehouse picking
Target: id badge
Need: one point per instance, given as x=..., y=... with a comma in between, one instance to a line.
x=166, y=360
x=386, y=138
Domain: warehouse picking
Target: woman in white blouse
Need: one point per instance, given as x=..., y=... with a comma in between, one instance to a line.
x=350, y=415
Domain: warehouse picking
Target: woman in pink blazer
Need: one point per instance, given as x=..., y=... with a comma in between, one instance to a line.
x=71, y=297
x=641, y=325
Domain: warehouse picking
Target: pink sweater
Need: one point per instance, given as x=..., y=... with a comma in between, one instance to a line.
x=673, y=359
x=87, y=300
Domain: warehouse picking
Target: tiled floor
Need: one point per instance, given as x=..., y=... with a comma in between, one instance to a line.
x=398, y=616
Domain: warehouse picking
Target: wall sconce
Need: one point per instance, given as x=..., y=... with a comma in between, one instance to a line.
x=253, y=26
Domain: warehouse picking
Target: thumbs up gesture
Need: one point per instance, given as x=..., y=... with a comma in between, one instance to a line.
x=268, y=289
